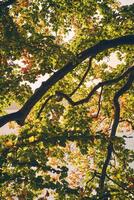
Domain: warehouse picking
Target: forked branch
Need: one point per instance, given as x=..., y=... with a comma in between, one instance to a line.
x=120, y=92
x=99, y=85
x=21, y=115
x=78, y=86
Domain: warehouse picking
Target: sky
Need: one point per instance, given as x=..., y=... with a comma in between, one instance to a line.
x=126, y=2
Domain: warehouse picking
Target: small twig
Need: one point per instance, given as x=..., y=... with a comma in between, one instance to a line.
x=83, y=78
x=43, y=105
x=128, y=121
x=94, y=175
x=121, y=186
x=99, y=103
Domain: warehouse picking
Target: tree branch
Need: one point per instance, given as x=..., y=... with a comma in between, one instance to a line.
x=99, y=103
x=21, y=115
x=78, y=86
x=101, y=84
x=119, y=184
x=83, y=78
x=44, y=104
x=114, y=127
x=128, y=121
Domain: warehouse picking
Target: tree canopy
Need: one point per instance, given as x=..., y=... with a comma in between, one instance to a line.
x=70, y=142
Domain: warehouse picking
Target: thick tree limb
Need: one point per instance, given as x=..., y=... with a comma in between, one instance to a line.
x=120, y=92
x=78, y=86
x=21, y=115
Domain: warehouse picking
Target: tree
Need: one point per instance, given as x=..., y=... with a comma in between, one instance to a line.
x=67, y=146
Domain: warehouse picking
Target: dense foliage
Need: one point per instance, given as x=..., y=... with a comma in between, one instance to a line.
x=68, y=144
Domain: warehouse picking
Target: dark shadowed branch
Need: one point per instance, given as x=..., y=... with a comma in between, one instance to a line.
x=99, y=85
x=99, y=103
x=83, y=78
x=128, y=121
x=121, y=185
x=78, y=86
x=126, y=87
x=21, y=115
x=120, y=92
x=44, y=104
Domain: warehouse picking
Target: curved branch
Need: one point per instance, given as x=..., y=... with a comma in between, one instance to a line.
x=39, y=93
x=83, y=78
x=99, y=103
x=44, y=104
x=101, y=84
x=128, y=121
x=78, y=86
x=120, y=92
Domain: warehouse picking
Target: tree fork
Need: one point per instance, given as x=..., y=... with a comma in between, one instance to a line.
x=120, y=92
x=21, y=115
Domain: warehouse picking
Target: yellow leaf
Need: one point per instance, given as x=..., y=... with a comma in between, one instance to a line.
x=31, y=139
x=9, y=143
